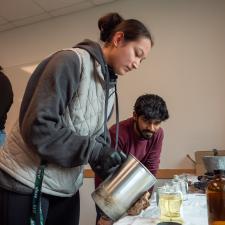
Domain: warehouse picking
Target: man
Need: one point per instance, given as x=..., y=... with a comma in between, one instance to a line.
x=142, y=136
x=6, y=100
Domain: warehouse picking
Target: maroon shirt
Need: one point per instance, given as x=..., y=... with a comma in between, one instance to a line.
x=146, y=151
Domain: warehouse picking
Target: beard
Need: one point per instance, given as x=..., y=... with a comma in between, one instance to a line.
x=145, y=134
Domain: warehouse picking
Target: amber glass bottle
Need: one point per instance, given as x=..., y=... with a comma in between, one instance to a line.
x=216, y=199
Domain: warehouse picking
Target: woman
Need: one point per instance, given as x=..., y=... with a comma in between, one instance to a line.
x=62, y=125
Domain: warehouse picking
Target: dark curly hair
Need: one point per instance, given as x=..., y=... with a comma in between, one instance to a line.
x=151, y=107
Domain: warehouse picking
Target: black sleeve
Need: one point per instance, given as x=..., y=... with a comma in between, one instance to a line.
x=43, y=127
x=6, y=98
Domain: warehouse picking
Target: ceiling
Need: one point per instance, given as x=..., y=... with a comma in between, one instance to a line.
x=14, y=13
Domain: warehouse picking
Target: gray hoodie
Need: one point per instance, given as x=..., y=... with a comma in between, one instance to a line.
x=41, y=125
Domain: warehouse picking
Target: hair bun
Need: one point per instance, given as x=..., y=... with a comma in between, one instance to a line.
x=107, y=23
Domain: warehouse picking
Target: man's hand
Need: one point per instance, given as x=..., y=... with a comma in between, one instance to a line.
x=140, y=205
x=104, y=221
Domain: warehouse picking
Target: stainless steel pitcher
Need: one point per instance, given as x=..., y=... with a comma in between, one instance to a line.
x=119, y=192
x=212, y=163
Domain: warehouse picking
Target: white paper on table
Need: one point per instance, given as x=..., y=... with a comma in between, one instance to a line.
x=195, y=210
x=150, y=216
x=194, y=213
x=133, y=220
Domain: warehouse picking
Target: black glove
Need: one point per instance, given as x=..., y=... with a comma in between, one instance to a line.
x=108, y=161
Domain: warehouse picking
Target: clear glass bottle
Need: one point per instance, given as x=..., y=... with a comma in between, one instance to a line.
x=170, y=204
x=181, y=181
x=215, y=193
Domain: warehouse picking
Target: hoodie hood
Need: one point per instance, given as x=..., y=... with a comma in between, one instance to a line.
x=95, y=51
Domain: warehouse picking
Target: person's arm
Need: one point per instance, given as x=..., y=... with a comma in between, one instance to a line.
x=121, y=142
x=153, y=160
x=43, y=126
x=3, y=97
x=6, y=98
x=152, y=163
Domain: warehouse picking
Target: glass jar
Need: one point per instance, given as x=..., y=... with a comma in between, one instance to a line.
x=170, y=204
x=182, y=182
x=215, y=193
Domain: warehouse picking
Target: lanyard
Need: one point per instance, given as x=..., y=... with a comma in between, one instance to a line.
x=36, y=196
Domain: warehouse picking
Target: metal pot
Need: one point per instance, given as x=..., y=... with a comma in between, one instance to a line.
x=212, y=163
x=119, y=192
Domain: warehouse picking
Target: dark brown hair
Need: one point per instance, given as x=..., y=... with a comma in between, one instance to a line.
x=133, y=29
x=151, y=106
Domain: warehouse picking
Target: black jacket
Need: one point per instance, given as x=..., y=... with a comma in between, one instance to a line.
x=6, y=98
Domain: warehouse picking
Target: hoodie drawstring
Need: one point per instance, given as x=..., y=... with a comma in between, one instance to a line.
x=117, y=118
x=106, y=109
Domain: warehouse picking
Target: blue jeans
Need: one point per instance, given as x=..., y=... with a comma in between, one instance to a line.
x=2, y=137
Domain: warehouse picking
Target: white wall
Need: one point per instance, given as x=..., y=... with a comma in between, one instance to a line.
x=186, y=67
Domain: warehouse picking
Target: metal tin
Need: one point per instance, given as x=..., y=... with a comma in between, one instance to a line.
x=212, y=163
x=119, y=192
